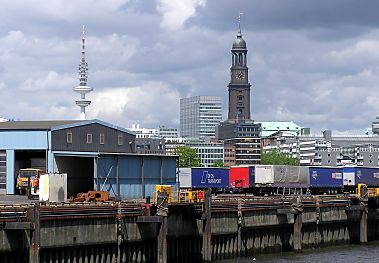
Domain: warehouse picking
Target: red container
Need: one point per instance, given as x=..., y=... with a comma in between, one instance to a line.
x=241, y=176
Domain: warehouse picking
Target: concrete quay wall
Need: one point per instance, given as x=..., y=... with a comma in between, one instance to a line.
x=184, y=233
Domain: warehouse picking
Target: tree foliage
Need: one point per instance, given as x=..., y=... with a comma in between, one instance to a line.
x=278, y=157
x=218, y=163
x=187, y=157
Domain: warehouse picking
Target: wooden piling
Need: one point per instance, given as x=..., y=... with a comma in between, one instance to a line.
x=162, y=203
x=297, y=240
x=363, y=227
x=207, y=234
x=34, y=246
x=297, y=226
x=241, y=248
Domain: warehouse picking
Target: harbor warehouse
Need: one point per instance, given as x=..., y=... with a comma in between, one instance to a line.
x=95, y=155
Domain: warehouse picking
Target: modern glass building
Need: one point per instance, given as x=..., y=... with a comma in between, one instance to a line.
x=199, y=117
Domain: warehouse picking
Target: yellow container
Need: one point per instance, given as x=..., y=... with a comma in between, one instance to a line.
x=169, y=189
x=162, y=188
x=192, y=196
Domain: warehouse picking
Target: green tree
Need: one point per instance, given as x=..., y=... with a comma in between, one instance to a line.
x=187, y=157
x=279, y=158
x=218, y=163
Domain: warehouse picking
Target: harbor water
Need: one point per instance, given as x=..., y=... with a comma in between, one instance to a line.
x=341, y=254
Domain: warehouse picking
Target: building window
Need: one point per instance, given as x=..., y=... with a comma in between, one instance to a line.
x=69, y=137
x=102, y=138
x=89, y=138
x=120, y=140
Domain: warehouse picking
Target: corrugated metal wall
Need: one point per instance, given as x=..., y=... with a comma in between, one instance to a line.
x=130, y=177
x=80, y=144
x=3, y=172
x=134, y=176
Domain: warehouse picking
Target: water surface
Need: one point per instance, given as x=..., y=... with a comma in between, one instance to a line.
x=340, y=254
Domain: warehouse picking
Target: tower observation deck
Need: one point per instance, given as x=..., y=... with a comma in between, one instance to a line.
x=83, y=89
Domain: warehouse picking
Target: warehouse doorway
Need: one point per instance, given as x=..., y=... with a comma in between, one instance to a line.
x=28, y=159
x=80, y=173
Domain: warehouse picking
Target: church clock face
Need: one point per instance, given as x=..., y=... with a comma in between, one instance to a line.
x=240, y=75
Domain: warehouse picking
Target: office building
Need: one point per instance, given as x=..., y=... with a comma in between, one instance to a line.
x=199, y=117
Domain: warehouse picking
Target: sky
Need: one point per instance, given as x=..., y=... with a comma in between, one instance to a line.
x=315, y=63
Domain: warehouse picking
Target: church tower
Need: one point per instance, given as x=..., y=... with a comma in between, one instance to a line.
x=240, y=135
x=239, y=86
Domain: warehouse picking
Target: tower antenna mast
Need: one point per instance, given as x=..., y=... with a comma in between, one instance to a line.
x=83, y=89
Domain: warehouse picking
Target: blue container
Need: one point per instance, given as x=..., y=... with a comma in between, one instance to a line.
x=367, y=175
x=330, y=177
x=217, y=178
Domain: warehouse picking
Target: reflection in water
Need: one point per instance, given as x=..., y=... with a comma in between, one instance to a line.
x=341, y=254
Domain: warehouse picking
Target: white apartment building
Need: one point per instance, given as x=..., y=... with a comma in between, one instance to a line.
x=208, y=153
x=330, y=150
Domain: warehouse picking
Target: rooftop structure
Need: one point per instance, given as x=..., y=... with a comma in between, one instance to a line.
x=287, y=128
x=83, y=89
x=144, y=132
x=375, y=126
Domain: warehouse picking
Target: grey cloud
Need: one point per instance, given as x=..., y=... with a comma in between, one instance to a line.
x=313, y=62
x=289, y=14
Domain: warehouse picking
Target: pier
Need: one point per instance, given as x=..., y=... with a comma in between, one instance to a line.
x=221, y=227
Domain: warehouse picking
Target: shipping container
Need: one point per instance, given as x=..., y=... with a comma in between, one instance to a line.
x=326, y=177
x=281, y=176
x=216, y=178
x=185, y=176
x=368, y=176
x=242, y=176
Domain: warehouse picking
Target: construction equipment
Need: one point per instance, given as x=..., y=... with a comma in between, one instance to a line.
x=192, y=196
x=170, y=194
x=365, y=192
x=92, y=196
x=28, y=181
x=165, y=190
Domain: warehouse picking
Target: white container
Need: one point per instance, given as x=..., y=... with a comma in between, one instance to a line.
x=185, y=177
x=281, y=175
x=53, y=188
x=264, y=174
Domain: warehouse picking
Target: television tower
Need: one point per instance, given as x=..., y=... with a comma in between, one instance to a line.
x=83, y=89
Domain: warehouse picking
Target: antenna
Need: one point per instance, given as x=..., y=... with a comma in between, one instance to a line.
x=83, y=89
